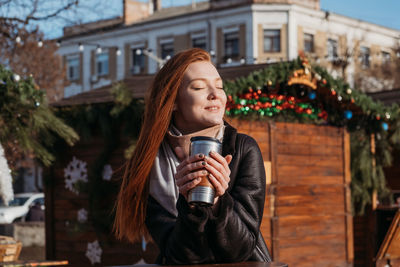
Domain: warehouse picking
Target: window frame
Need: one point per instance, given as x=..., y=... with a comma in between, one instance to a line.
x=365, y=57
x=335, y=48
x=235, y=44
x=97, y=55
x=166, y=42
x=69, y=58
x=273, y=39
x=386, y=57
x=133, y=55
x=312, y=50
x=199, y=37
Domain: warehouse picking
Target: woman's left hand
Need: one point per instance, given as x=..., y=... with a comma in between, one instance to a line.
x=219, y=172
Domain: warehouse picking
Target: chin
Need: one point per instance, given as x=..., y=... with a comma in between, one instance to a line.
x=215, y=122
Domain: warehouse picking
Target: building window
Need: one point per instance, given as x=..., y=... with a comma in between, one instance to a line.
x=332, y=49
x=385, y=57
x=272, y=41
x=102, y=63
x=138, y=60
x=167, y=49
x=308, y=43
x=231, y=45
x=364, y=56
x=73, y=68
x=199, y=42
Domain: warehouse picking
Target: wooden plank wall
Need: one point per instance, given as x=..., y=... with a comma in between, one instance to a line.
x=312, y=219
x=65, y=238
x=307, y=216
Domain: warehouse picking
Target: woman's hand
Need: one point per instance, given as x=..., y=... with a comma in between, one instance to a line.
x=219, y=172
x=189, y=172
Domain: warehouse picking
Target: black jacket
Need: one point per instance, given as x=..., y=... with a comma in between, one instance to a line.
x=225, y=233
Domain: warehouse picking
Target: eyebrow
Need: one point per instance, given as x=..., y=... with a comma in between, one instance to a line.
x=204, y=79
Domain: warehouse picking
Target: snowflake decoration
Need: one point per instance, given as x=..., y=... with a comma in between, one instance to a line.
x=93, y=252
x=74, y=172
x=107, y=172
x=82, y=215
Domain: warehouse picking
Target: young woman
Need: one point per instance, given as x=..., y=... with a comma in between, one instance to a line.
x=187, y=99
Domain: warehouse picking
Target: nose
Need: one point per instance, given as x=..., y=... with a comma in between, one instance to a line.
x=212, y=93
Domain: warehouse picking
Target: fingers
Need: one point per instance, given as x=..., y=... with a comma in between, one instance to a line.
x=188, y=186
x=218, y=180
x=189, y=177
x=190, y=181
x=188, y=168
x=218, y=168
x=189, y=160
x=228, y=159
x=219, y=162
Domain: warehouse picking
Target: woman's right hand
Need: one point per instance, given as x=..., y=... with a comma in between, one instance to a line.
x=189, y=172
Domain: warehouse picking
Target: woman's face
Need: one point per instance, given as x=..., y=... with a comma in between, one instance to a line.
x=201, y=99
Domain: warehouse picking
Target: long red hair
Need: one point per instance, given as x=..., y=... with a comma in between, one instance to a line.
x=132, y=198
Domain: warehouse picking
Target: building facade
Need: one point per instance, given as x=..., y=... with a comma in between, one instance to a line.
x=235, y=32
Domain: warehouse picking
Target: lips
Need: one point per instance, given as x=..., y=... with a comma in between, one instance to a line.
x=212, y=108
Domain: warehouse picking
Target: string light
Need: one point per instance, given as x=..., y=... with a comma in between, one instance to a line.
x=118, y=52
x=99, y=49
x=18, y=39
x=81, y=47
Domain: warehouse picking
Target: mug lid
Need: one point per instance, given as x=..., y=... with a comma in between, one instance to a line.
x=204, y=138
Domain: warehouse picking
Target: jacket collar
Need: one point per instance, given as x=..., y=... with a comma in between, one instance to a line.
x=228, y=147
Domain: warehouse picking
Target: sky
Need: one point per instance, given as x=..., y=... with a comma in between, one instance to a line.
x=382, y=12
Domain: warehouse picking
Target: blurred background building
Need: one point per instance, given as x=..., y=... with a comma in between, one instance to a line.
x=236, y=32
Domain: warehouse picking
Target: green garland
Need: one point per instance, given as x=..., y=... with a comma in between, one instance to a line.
x=28, y=125
x=266, y=95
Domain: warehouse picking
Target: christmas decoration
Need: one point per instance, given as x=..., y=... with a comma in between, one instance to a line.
x=93, y=252
x=82, y=215
x=110, y=122
x=28, y=125
x=287, y=94
x=16, y=77
x=107, y=172
x=75, y=172
x=312, y=95
x=6, y=191
x=348, y=114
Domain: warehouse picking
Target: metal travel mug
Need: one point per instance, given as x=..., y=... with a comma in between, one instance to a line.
x=203, y=193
